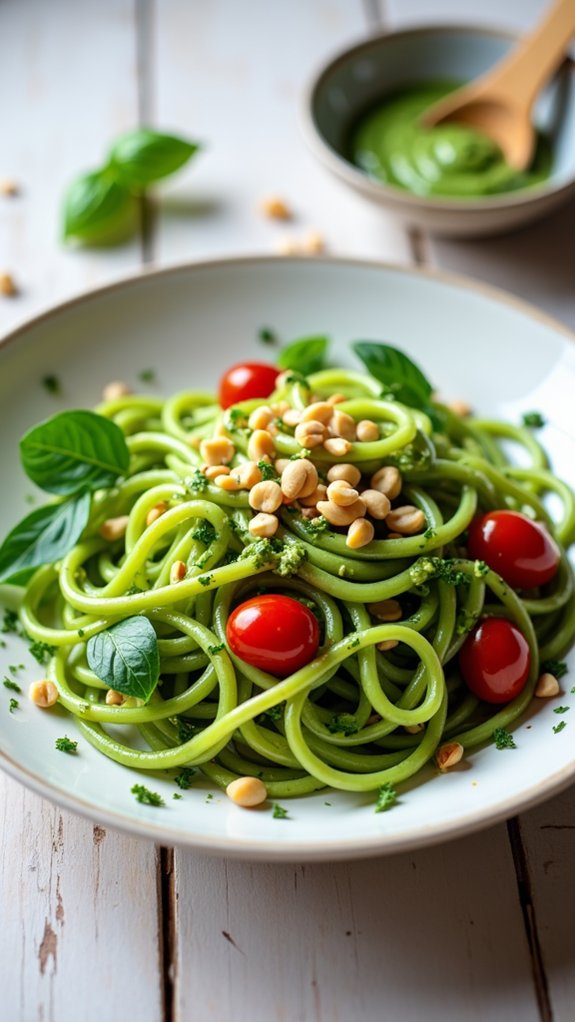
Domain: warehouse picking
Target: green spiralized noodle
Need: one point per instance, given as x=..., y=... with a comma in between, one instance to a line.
x=381, y=696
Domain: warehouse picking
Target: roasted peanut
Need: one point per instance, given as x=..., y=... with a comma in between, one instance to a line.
x=367, y=431
x=114, y=528
x=247, y=475
x=260, y=445
x=265, y=496
x=341, y=493
x=378, y=505
x=177, y=572
x=386, y=610
x=115, y=390
x=217, y=451
x=337, y=446
x=547, y=686
x=359, y=534
x=156, y=512
x=350, y=473
x=261, y=417
x=43, y=693
x=448, y=755
x=247, y=791
x=299, y=479
x=310, y=433
x=406, y=520
x=312, y=498
x=387, y=480
x=337, y=515
x=263, y=525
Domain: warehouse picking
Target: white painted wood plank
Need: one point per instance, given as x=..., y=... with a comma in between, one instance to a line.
x=68, y=82
x=513, y=14
x=434, y=935
x=79, y=934
x=233, y=75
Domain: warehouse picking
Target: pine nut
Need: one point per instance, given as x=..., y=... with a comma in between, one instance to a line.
x=337, y=515
x=394, y=535
x=460, y=408
x=310, y=433
x=336, y=399
x=414, y=729
x=247, y=791
x=275, y=208
x=378, y=505
x=265, y=496
x=387, y=480
x=292, y=417
x=342, y=424
x=114, y=698
x=261, y=417
x=311, y=500
x=260, y=445
x=8, y=187
x=299, y=479
x=115, y=390
x=247, y=475
x=387, y=644
x=280, y=407
x=312, y=243
x=341, y=493
x=7, y=285
x=337, y=446
x=449, y=755
x=309, y=512
x=386, y=610
x=228, y=483
x=263, y=525
x=114, y=528
x=406, y=520
x=177, y=572
x=318, y=411
x=547, y=686
x=213, y=471
x=217, y=451
x=360, y=533
x=156, y=512
x=43, y=693
x=350, y=473
x=367, y=431
x=281, y=464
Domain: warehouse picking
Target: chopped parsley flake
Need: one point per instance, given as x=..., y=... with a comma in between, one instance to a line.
x=11, y=623
x=41, y=651
x=216, y=649
x=556, y=667
x=480, y=568
x=503, y=739
x=304, y=453
x=275, y=712
x=13, y=705
x=205, y=580
x=429, y=533
x=559, y=727
x=386, y=798
x=267, y=336
x=204, y=532
x=560, y=709
x=268, y=471
x=177, y=795
x=186, y=730
x=465, y=622
x=209, y=797
x=534, y=420
x=196, y=483
x=279, y=813
x=147, y=376
x=8, y=683
x=51, y=384
x=66, y=744
x=184, y=779
x=145, y=796
x=445, y=569
x=343, y=723
x=315, y=526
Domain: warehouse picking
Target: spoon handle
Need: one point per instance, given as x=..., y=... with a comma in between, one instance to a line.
x=522, y=76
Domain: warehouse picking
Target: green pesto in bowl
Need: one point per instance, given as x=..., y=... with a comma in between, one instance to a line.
x=390, y=144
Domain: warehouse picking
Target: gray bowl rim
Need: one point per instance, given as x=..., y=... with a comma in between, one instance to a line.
x=359, y=179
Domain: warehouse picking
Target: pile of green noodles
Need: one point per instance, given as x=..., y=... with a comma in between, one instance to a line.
x=213, y=711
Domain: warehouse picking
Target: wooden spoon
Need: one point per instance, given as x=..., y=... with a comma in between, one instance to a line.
x=499, y=103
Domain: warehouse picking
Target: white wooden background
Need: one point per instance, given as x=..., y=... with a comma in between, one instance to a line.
x=94, y=925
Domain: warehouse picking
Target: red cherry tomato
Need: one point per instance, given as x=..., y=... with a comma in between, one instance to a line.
x=495, y=660
x=246, y=380
x=275, y=633
x=518, y=549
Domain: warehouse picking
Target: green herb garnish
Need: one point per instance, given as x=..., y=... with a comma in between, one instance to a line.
x=184, y=779
x=267, y=336
x=560, y=709
x=503, y=739
x=12, y=685
x=279, y=813
x=306, y=356
x=51, y=384
x=41, y=651
x=559, y=727
x=13, y=705
x=533, y=420
x=386, y=798
x=556, y=667
x=147, y=376
x=66, y=744
x=343, y=723
x=126, y=657
x=145, y=796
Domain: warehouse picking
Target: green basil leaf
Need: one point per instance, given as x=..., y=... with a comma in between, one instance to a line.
x=399, y=375
x=44, y=536
x=126, y=657
x=99, y=210
x=306, y=355
x=73, y=451
x=140, y=157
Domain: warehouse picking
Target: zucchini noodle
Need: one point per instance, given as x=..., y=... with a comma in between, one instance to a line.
x=384, y=691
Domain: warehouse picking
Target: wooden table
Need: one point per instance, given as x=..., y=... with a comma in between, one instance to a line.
x=96, y=926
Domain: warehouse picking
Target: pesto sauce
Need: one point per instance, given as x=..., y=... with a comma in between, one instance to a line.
x=390, y=144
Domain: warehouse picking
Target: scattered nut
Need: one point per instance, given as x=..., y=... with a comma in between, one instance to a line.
x=336, y=399
x=309, y=512
x=312, y=243
x=449, y=755
x=386, y=610
x=359, y=534
x=247, y=475
x=414, y=729
x=316, y=495
x=337, y=446
x=406, y=520
x=460, y=408
x=265, y=496
x=43, y=693
x=213, y=471
x=350, y=473
x=337, y=515
x=367, y=431
x=8, y=187
x=115, y=390
x=310, y=433
x=342, y=424
x=291, y=417
x=341, y=493
x=114, y=698
x=299, y=479
x=263, y=525
x=114, y=528
x=547, y=686
x=156, y=512
x=217, y=451
x=288, y=246
x=260, y=445
x=387, y=644
x=228, y=483
x=177, y=572
x=247, y=791
x=318, y=411
x=7, y=285
x=387, y=480
x=378, y=505
x=275, y=208
x=261, y=417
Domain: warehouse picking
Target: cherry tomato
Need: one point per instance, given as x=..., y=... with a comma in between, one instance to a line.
x=495, y=660
x=246, y=380
x=518, y=549
x=275, y=633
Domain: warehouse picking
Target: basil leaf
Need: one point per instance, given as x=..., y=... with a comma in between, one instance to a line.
x=126, y=657
x=73, y=451
x=399, y=375
x=46, y=535
x=140, y=157
x=99, y=210
x=306, y=355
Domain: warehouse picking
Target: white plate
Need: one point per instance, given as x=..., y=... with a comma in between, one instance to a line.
x=189, y=323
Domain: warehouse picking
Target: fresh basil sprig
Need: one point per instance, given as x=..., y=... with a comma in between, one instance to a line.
x=71, y=455
x=101, y=207
x=307, y=355
x=399, y=375
x=73, y=450
x=126, y=657
x=45, y=535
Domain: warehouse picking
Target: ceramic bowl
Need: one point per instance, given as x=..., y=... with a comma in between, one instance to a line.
x=356, y=79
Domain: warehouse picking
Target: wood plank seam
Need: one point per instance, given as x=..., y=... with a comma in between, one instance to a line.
x=522, y=874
